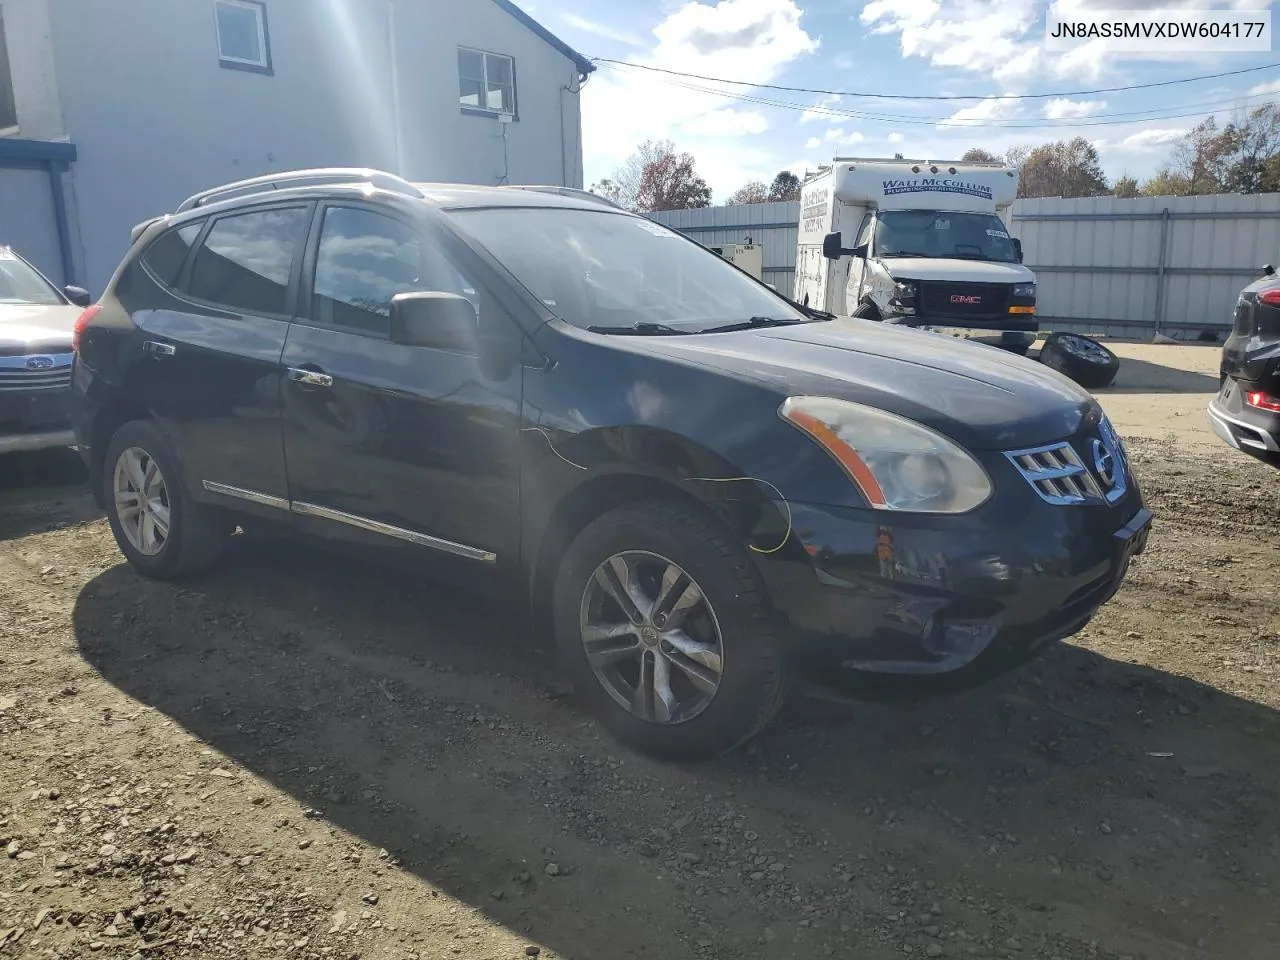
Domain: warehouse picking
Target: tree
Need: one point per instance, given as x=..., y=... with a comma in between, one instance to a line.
x=1203, y=157
x=753, y=192
x=623, y=188
x=978, y=155
x=1068, y=168
x=898, y=156
x=1255, y=148
x=786, y=186
x=671, y=183
x=1125, y=187
x=1166, y=183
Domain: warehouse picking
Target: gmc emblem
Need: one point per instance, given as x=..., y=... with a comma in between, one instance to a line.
x=960, y=298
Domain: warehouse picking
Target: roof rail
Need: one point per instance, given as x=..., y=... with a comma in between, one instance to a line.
x=567, y=192
x=302, y=178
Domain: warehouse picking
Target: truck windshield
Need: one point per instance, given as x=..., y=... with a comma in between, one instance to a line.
x=940, y=233
x=600, y=269
x=20, y=284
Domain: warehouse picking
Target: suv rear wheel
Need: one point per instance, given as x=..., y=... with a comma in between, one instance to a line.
x=662, y=621
x=160, y=530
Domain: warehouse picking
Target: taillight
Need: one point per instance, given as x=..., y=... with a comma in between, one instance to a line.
x=1270, y=297
x=82, y=322
x=1256, y=398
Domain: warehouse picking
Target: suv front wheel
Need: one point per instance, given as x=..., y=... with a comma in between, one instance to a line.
x=161, y=531
x=662, y=621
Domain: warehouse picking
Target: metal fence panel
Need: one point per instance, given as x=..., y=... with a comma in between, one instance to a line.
x=1125, y=267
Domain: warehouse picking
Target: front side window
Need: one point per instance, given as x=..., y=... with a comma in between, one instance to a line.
x=594, y=268
x=246, y=259
x=945, y=234
x=242, y=34
x=165, y=257
x=19, y=283
x=364, y=259
x=486, y=82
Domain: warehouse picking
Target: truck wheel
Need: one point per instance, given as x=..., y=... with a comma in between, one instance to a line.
x=662, y=621
x=868, y=311
x=1083, y=359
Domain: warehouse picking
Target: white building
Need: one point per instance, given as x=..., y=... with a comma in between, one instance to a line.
x=112, y=111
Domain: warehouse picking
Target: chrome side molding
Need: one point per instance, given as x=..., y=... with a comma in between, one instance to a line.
x=352, y=520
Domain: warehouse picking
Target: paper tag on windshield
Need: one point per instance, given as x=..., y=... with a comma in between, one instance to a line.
x=650, y=227
x=998, y=233
x=7, y=254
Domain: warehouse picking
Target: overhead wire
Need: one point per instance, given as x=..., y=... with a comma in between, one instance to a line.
x=909, y=96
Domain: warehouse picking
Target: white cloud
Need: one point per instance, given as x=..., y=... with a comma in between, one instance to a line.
x=813, y=143
x=819, y=110
x=1145, y=140
x=895, y=138
x=1272, y=86
x=984, y=111
x=736, y=39
x=1061, y=108
x=602, y=30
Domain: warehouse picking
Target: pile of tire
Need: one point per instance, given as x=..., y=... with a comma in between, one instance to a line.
x=1081, y=358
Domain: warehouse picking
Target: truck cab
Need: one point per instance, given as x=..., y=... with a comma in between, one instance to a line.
x=918, y=243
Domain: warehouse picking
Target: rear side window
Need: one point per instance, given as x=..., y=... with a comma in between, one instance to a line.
x=246, y=260
x=165, y=257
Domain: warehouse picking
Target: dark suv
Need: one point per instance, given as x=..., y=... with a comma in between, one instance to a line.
x=703, y=489
x=1246, y=411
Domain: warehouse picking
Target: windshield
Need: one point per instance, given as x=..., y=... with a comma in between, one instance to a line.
x=609, y=270
x=938, y=233
x=20, y=284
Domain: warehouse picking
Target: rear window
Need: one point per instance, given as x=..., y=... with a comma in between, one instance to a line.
x=165, y=257
x=246, y=260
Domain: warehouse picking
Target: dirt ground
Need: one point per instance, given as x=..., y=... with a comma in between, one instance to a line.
x=302, y=757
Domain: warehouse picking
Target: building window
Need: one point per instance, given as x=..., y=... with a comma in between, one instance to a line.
x=243, y=43
x=486, y=83
x=8, y=111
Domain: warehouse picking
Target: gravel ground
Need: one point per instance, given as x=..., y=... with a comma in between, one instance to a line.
x=302, y=757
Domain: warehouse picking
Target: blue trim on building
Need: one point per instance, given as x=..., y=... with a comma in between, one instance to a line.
x=55, y=157
x=585, y=66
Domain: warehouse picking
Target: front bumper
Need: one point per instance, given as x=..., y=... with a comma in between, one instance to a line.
x=962, y=598
x=35, y=419
x=26, y=442
x=1241, y=426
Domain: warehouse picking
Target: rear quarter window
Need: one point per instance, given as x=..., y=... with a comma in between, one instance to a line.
x=166, y=255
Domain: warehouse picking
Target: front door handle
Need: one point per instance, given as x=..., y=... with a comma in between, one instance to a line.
x=310, y=378
x=157, y=349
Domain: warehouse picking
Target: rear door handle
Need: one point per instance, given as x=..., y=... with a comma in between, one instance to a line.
x=310, y=378
x=157, y=349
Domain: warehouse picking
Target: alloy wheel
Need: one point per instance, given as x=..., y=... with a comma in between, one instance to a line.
x=651, y=637
x=141, y=501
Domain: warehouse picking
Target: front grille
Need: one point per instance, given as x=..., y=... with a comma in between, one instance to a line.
x=1059, y=474
x=35, y=373
x=946, y=298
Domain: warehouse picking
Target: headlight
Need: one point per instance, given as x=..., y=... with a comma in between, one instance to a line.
x=1024, y=289
x=898, y=464
x=905, y=289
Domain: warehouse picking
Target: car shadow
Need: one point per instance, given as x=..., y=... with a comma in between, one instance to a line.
x=42, y=491
x=1143, y=376
x=425, y=724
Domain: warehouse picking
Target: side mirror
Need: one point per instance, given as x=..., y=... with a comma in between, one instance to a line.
x=861, y=250
x=1017, y=248
x=1268, y=270
x=443, y=320
x=78, y=295
x=832, y=247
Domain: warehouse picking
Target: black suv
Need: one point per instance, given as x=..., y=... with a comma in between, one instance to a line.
x=1246, y=411
x=703, y=489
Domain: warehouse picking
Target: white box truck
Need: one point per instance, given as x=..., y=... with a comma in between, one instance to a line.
x=917, y=242
x=748, y=257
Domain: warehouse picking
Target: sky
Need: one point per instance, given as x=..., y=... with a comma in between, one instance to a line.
x=973, y=48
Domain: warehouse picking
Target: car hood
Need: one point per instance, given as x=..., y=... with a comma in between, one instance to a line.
x=24, y=325
x=982, y=397
x=959, y=271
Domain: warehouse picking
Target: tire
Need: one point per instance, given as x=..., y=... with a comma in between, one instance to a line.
x=196, y=534
x=731, y=616
x=1083, y=359
x=867, y=311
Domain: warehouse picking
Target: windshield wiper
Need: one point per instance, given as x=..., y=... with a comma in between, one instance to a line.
x=752, y=323
x=643, y=329
x=904, y=253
